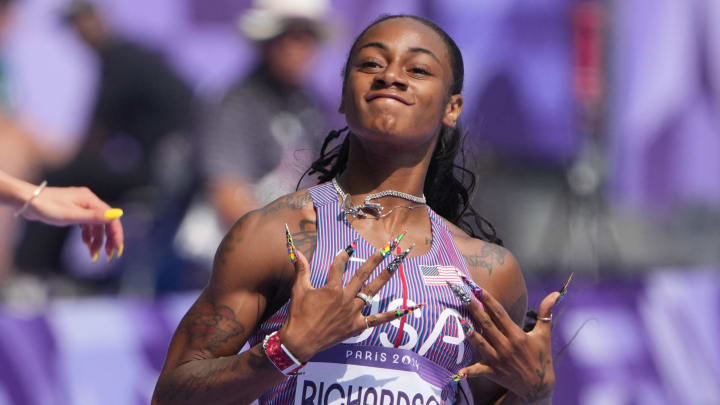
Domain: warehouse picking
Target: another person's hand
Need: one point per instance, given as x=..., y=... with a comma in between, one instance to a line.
x=320, y=318
x=100, y=223
x=519, y=361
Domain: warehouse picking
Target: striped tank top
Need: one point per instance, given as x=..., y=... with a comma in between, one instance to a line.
x=434, y=331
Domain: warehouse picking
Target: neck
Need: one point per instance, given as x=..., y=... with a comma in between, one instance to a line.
x=375, y=168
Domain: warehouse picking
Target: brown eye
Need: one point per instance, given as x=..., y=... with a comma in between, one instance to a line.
x=369, y=65
x=419, y=70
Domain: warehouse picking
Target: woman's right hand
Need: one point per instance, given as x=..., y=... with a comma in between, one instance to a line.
x=320, y=318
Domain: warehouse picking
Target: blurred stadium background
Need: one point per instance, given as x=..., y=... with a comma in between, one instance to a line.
x=594, y=127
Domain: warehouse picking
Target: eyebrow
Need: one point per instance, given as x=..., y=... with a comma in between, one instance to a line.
x=384, y=47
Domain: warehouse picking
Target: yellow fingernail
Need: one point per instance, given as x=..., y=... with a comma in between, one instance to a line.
x=113, y=213
x=121, y=250
x=95, y=256
x=110, y=256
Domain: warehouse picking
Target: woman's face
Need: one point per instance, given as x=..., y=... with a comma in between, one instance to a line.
x=398, y=82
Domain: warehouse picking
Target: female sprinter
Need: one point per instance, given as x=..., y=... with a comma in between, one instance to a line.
x=373, y=329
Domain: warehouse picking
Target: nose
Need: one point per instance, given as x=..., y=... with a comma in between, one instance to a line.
x=392, y=76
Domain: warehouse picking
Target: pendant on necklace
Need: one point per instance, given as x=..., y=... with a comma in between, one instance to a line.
x=358, y=211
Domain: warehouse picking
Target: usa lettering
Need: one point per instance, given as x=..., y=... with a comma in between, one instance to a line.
x=410, y=333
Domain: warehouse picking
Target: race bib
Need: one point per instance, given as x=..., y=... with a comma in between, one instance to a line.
x=372, y=375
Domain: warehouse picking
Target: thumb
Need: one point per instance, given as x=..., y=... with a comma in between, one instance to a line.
x=545, y=313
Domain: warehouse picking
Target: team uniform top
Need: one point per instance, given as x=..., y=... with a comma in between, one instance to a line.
x=433, y=331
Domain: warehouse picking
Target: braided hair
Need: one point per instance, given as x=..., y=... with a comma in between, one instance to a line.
x=448, y=184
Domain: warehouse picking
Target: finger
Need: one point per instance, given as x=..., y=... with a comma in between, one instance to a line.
x=384, y=317
x=545, y=312
x=87, y=237
x=93, y=210
x=338, y=267
x=378, y=282
x=486, y=351
x=98, y=237
x=486, y=325
x=113, y=238
x=302, y=274
x=497, y=313
x=362, y=274
x=476, y=370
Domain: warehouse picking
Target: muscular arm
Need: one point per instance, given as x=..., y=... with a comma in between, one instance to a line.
x=251, y=278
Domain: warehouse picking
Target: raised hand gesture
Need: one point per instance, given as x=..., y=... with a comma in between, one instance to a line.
x=322, y=317
x=517, y=360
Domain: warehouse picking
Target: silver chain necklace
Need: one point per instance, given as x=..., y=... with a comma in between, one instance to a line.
x=376, y=209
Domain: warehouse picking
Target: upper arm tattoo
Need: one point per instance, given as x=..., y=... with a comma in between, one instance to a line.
x=230, y=242
x=292, y=201
x=306, y=238
x=489, y=256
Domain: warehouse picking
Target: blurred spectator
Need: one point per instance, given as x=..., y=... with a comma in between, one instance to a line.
x=263, y=135
x=141, y=103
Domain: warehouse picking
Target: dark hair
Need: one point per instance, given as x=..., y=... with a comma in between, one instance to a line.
x=448, y=184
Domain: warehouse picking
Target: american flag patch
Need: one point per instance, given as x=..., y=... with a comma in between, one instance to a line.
x=440, y=275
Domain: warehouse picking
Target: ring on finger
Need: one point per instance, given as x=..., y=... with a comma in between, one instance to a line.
x=547, y=319
x=368, y=299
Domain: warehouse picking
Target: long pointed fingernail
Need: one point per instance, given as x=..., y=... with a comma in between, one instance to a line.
x=95, y=256
x=111, y=255
x=564, y=289
x=397, y=261
x=402, y=312
x=476, y=289
x=121, y=249
x=460, y=293
x=458, y=377
x=466, y=327
x=290, y=245
x=350, y=249
x=113, y=213
x=390, y=246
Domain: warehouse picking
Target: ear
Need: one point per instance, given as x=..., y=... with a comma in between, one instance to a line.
x=452, y=110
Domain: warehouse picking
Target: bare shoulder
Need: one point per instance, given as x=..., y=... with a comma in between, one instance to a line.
x=496, y=269
x=254, y=248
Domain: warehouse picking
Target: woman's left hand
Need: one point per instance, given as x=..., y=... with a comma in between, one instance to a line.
x=519, y=361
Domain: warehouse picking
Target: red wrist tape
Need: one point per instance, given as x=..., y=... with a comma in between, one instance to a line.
x=280, y=356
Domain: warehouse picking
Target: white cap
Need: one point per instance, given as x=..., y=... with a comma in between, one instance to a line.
x=269, y=18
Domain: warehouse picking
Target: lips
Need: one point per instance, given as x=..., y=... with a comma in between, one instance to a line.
x=375, y=96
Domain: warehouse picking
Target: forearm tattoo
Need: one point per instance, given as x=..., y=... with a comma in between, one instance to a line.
x=211, y=326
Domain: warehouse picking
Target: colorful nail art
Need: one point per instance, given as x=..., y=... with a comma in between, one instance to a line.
x=121, y=249
x=390, y=246
x=397, y=261
x=460, y=293
x=111, y=255
x=476, y=290
x=466, y=327
x=458, y=377
x=290, y=245
x=563, y=290
x=350, y=249
x=402, y=312
x=95, y=256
